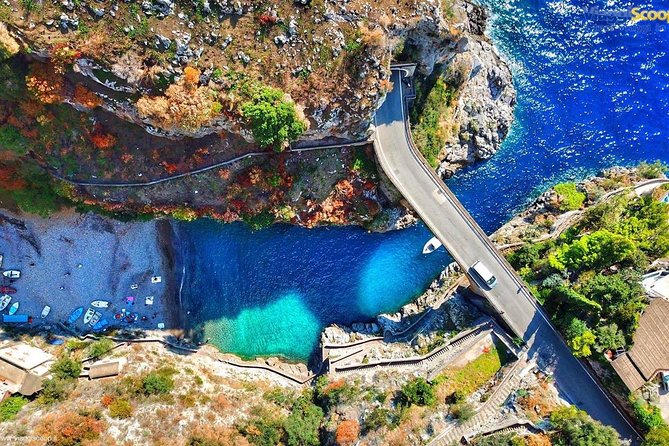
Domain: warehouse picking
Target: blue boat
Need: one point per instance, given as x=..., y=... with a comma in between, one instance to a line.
x=76, y=314
x=100, y=325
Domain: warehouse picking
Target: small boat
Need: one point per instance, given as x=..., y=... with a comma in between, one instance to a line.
x=76, y=314
x=100, y=325
x=4, y=301
x=96, y=317
x=134, y=286
x=89, y=315
x=45, y=311
x=12, y=274
x=14, y=308
x=432, y=245
x=156, y=279
x=100, y=304
x=7, y=289
x=1, y=258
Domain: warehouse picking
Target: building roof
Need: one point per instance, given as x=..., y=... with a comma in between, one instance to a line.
x=103, y=369
x=24, y=356
x=628, y=372
x=650, y=352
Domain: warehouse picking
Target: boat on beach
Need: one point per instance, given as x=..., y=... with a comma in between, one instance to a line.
x=89, y=315
x=14, y=308
x=100, y=325
x=7, y=289
x=432, y=245
x=4, y=301
x=96, y=317
x=76, y=314
x=100, y=304
x=12, y=274
x=45, y=311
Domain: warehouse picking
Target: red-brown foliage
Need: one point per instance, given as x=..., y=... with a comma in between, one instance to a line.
x=347, y=432
x=69, y=428
x=86, y=97
x=106, y=400
x=267, y=19
x=9, y=179
x=101, y=139
x=45, y=83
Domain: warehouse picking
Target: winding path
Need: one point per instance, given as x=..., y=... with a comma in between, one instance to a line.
x=450, y=222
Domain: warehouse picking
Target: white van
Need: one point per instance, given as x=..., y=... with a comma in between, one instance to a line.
x=483, y=274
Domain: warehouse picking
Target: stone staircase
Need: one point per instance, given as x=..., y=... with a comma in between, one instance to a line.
x=455, y=434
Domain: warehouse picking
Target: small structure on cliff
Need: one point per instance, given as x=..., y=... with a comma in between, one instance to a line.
x=22, y=369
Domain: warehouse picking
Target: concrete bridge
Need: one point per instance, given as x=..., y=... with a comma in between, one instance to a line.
x=450, y=222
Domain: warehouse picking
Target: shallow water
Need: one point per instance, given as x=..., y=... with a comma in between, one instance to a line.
x=591, y=94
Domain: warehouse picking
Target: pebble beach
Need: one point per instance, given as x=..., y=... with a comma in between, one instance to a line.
x=69, y=260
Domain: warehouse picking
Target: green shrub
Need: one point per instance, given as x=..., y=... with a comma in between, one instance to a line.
x=657, y=436
x=463, y=412
x=259, y=221
x=274, y=120
x=156, y=383
x=570, y=198
x=379, y=417
x=11, y=406
x=652, y=170
x=649, y=416
x=428, y=131
x=66, y=368
x=574, y=427
x=120, y=408
x=54, y=390
x=419, y=392
x=12, y=140
x=303, y=423
x=264, y=429
x=99, y=348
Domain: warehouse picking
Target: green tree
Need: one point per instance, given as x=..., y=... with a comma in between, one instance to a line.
x=597, y=250
x=657, y=436
x=574, y=427
x=66, y=368
x=419, y=392
x=120, y=408
x=581, y=345
x=609, y=337
x=303, y=423
x=273, y=118
x=570, y=198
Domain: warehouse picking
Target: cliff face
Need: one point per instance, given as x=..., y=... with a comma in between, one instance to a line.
x=481, y=114
x=330, y=58
x=129, y=92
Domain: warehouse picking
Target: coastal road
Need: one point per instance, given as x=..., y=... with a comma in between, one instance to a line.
x=450, y=222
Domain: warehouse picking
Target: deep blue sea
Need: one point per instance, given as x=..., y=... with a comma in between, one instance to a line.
x=592, y=93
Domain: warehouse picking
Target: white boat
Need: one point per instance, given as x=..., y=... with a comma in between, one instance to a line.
x=89, y=314
x=14, y=308
x=11, y=274
x=45, y=311
x=100, y=304
x=96, y=317
x=4, y=301
x=432, y=245
x=1, y=257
